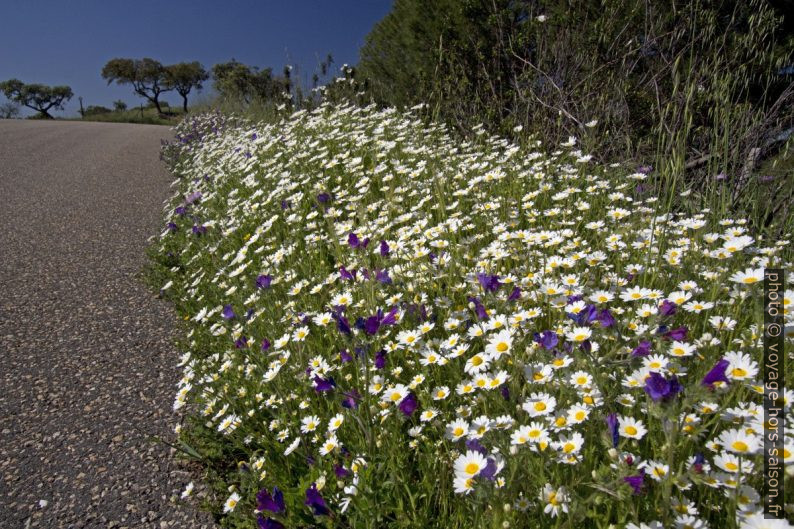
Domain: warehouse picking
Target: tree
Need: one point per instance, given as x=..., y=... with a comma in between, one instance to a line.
x=119, y=105
x=39, y=97
x=93, y=110
x=236, y=80
x=185, y=76
x=148, y=77
x=9, y=110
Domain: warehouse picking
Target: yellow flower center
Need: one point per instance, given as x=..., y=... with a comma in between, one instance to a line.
x=631, y=430
x=501, y=347
x=472, y=468
x=540, y=406
x=568, y=448
x=740, y=446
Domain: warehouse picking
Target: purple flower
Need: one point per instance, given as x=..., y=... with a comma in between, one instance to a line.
x=350, y=400
x=371, y=325
x=321, y=385
x=263, y=281
x=344, y=356
x=384, y=248
x=241, y=342
x=181, y=210
x=268, y=523
x=265, y=344
x=612, y=425
x=479, y=309
x=380, y=359
x=172, y=226
x=348, y=276
x=605, y=318
x=322, y=198
x=390, y=318
x=267, y=502
x=383, y=276
x=636, y=482
x=644, y=349
x=352, y=240
x=340, y=471
x=660, y=388
x=489, y=283
x=228, y=313
x=192, y=197
x=316, y=501
x=548, y=339
x=716, y=374
x=505, y=391
x=342, y=324
x=645, y=169
x=585, y=316
x=667, y=308
x=697, y=465
x=677, y=334
x=515, y=294
x=409, y=404
x=475, y=446
x=489, y=472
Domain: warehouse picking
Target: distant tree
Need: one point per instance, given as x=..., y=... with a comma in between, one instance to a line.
x=148, y=77
x=93, y=110
x=119, y=105
x=236, y=80
x=185, y=76
x=38, y=97
x=9, y=110
x=82, y=110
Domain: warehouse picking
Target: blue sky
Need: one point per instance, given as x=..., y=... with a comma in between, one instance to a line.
x=57, y=42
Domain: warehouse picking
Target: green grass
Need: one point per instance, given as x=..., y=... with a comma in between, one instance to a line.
x=148, y=116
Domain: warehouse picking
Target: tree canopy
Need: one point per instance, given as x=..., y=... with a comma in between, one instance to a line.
x=236, y=80
x=185, y=76
x=148, y=77
x=38, y=97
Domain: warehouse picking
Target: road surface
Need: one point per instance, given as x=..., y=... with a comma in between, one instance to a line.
x=87, y=366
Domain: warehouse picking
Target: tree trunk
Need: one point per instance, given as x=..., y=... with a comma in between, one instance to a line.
x=156, y=101
x=184, y=102
x=42, y=111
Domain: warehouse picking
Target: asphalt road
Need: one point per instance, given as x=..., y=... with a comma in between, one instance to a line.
x=87, y=367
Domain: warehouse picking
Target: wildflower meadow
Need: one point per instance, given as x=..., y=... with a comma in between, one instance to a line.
x=386, y=327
